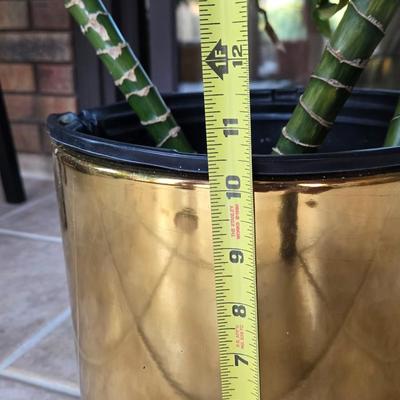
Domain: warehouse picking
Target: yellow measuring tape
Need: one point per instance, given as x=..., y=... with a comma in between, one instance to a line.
x=224, y=37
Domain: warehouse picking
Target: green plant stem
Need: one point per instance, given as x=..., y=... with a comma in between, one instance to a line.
x=393, y=135
x=100, y=29
x=269, y=30
x=360, y=31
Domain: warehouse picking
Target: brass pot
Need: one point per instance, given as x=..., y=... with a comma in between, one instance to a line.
x=138, y=248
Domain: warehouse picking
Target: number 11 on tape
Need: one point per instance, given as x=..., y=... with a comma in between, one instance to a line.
x=224, y=37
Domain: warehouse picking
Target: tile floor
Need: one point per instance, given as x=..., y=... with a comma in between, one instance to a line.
x=37, y=356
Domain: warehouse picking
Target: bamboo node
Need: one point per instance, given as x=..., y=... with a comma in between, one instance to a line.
x=294, y=140
x=114, y=51
x=370, y=18
x=140, y=92
x=129, y=75
x=333, y=82
x=277, y=151
x=357, y=63
x=315, y=116
x=157, y=120
x=173, y=133
x=95, y=25
x=72, y=3
x=396, y=117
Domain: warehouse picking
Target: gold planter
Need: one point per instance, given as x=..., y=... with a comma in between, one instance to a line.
x=139, y=258
x=138, y=248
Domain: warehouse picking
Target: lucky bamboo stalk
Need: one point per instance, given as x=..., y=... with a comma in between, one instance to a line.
x=393, y=136
x=100, y=29
x=360, y=31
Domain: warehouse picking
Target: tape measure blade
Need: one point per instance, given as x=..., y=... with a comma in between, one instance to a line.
x=223, y=26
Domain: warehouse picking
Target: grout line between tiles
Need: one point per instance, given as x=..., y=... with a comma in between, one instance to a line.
x=57, y=386
x=32, y=236
x=24, y=207
x=35, y=339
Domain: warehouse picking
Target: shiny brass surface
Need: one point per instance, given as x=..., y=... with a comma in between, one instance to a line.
x=139, y=256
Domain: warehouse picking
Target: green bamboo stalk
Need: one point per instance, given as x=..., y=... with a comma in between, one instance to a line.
x=393, y=135
x=360, y=31
x=129, y=76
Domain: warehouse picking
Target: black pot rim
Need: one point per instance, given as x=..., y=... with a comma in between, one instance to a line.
x=345, y=163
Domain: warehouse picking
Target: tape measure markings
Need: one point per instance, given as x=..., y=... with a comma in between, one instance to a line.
x=223, y=28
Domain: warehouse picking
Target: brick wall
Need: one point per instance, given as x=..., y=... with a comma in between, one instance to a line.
x=36, y=67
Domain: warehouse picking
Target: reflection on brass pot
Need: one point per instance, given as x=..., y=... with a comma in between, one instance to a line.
x=139, y=255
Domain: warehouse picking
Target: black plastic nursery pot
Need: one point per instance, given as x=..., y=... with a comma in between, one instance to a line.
x=137, y=238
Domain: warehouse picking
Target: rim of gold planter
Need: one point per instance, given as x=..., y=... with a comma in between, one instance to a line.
x=97, y=167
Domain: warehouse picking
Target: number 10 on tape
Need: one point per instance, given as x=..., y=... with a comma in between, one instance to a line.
x=224, y=37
